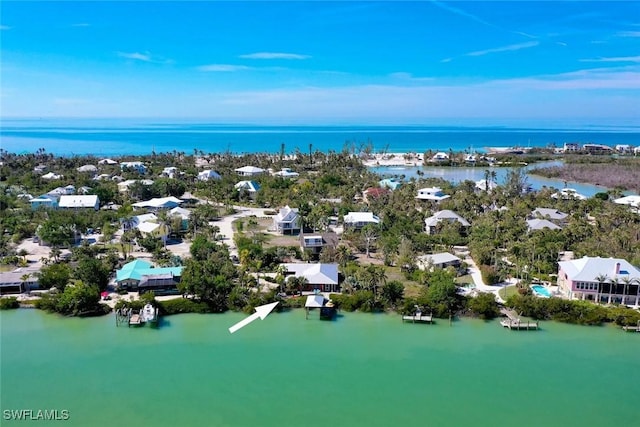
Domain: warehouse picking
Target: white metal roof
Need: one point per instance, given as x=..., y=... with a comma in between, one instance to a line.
x=314, y=301
x=589, y=269
x=316, y=274
x=354, y=217
x=445, y=214
x=78, y=201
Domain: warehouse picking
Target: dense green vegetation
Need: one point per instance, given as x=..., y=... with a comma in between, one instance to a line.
x=330, y=184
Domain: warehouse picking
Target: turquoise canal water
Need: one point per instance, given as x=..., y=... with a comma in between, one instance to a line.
x=361, y=370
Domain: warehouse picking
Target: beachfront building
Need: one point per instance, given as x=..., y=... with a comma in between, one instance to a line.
x=357, y=220
x=374, y=193
x=287, y=221
x=249, y=187
x=440, y=157
x=249, y=171
x=624, y=148
x=432, y=223
x=540, y=224
x=390, y=183
x=439, y=260
x=142, y=276
x=208, y=175
x=159, y=203
x=604, y=280
x=434, y=194
x=79, y=202
x=286, y=173
x=319, y=277
x=632, y=201
x=133, y=166
x=314, y=243
x=571, y=147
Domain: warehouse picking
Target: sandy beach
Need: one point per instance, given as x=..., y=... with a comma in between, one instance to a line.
x=394, y=159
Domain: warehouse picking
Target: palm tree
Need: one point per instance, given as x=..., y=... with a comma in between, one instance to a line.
x=602, y=279
x=343, y=255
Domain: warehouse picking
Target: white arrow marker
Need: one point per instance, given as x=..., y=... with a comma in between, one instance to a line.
x=262, y=311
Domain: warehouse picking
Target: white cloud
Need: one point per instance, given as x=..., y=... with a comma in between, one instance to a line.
x=613, y=59
x=223, y=68
x=4, y=27
x=629, y=34
x=404, y=76
x=274, y=55
x=146, y=57
x=509, y=48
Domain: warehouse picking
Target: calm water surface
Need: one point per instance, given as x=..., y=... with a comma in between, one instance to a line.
x=361, y=370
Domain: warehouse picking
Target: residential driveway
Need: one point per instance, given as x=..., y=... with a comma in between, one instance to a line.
x=226, y=224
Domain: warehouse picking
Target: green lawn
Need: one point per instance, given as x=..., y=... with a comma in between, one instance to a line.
x=507, y=291
x=464, y=279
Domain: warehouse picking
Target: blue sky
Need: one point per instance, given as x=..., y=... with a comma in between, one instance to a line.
x=324, y=62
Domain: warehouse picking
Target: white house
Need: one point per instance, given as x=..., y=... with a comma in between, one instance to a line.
x=571, y=147
x=624, y=148
x=79, y=202
x=287, y=221
x=183, y=214
x=633, y=201
x=286, y=173
x=249, y=171
x=88, y=169
x=52, y=176
x=250, y=187
x=322, y=277
x=432, y=193
x=439, y=260
x=107, y=162
x=605, y=280
x=208, y=175
x=432, y=222
x=568, y=194
x=360, y=219
x=159, y=203
x=136, y=166
x=481, y=185
x=169, y=172
x=440, y=157
x=123, y=186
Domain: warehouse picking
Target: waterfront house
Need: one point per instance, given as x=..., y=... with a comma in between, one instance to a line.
x=357, y=220
x=326, y=307
x=208, y=175
x=142, y=276
x=287, y=221
x=624, y=148
x=18, y=281
x=434, y=194
x=540, y=224
x=604, y=280
x=632, y=201
x=440, y=157
x=249, y=171
x=319, y=277
x=250, y=187
x=596, y=148
x=486, y=185
x=571, y=147
x=439, y=260
x=431, y=223
x=79, y=202
x=134, y=166
x=390, y=183
x=315, y=242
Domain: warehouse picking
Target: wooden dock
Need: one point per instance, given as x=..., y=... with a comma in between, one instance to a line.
x=513, y=322
x=632, y=328
x=418, y=318
x=135, y=320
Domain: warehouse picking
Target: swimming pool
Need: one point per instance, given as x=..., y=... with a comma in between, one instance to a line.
x=541, y=291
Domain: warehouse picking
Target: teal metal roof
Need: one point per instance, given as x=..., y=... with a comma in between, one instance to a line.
x=138, y=268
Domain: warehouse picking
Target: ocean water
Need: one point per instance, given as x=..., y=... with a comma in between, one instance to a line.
x=360, y=370
x=136, y=137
